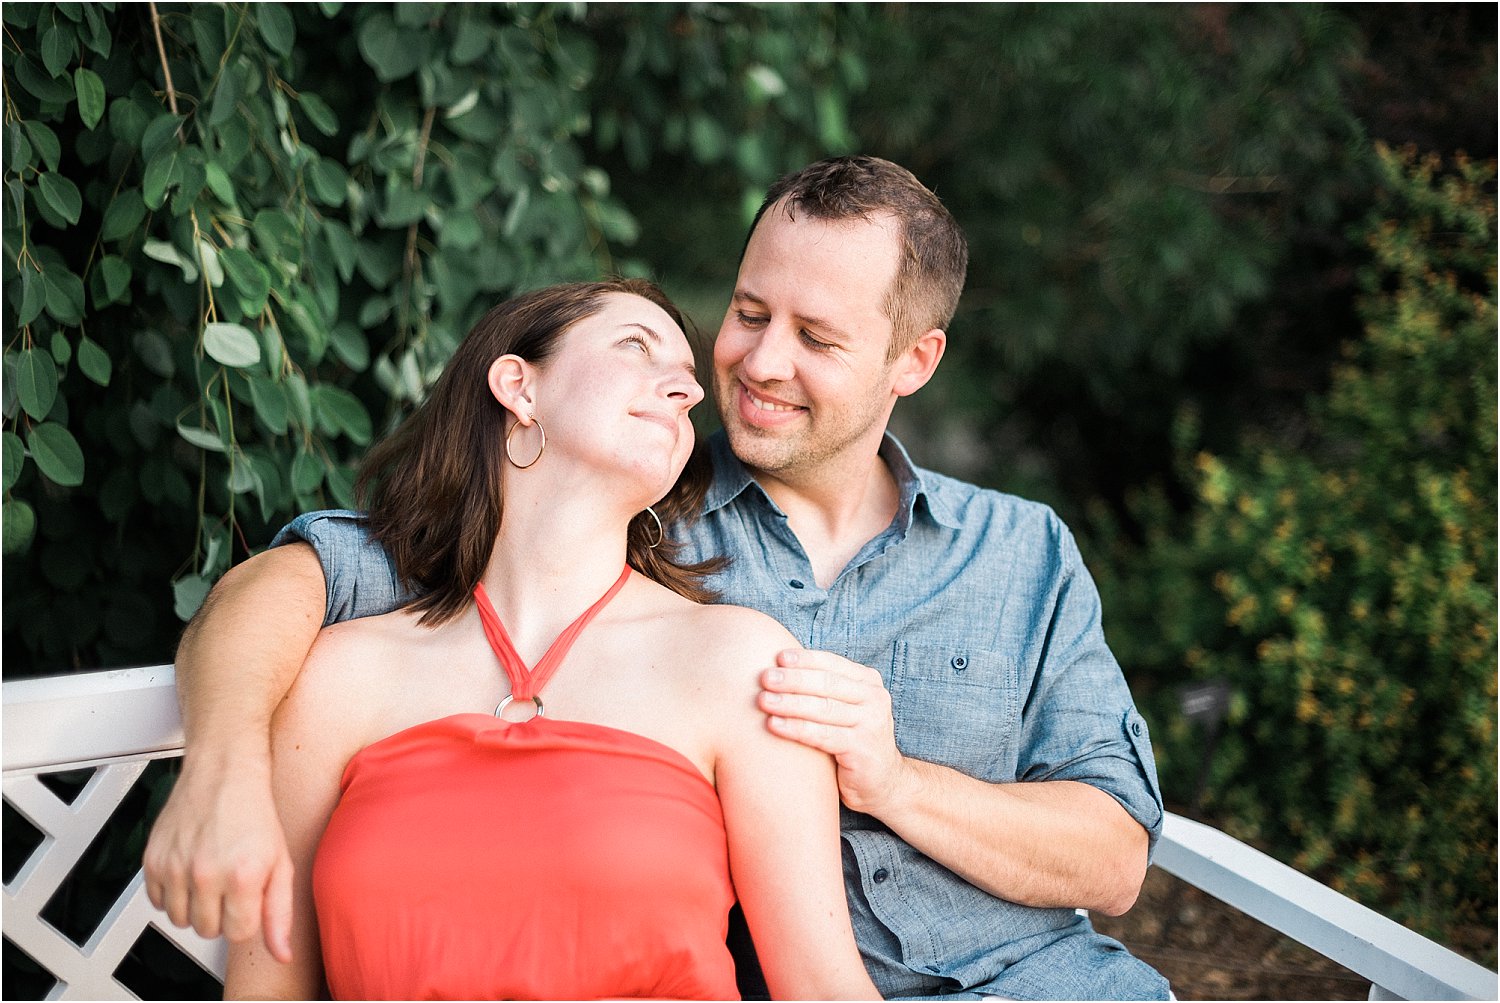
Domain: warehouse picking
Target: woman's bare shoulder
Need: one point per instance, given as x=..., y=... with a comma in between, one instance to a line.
x=361, y=653
x=726, y=638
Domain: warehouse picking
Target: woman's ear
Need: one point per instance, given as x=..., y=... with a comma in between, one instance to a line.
x=511, y=380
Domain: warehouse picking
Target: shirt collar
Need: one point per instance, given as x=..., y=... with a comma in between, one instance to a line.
x=731, y=478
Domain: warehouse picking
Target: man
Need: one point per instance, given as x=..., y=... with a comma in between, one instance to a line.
x=995, y=774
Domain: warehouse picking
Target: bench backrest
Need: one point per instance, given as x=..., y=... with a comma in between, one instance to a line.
x=113, y=723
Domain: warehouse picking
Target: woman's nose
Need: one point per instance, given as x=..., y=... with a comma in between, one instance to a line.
x=685, y=391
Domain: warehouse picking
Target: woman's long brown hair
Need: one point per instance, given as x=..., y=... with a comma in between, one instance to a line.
x=433, y=485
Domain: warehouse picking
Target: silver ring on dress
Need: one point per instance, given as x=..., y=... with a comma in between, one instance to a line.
x=509, y=697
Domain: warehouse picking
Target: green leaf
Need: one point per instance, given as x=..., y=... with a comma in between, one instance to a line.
x=270, y=404
x=20, y=525
x=124, y=215
x=209, y=259
x=156, y=352
x=56, y=453
x=98, y=37
x=403, y=204
x=249, y=276
x=340, y=411
x=163, y=171
x=231, y=345
x=329, y=182
x=341, y=484
x=13, y=456
x=318, y=113
x=36, y=381
x=242, y=475
x=300, y=398
x=94, y=361
x=116, y=274
x=90, y=90
x=33, y=296
x=46, y=143
x=42, y=86
x=226, y=95
x=218, y=182
x=62, y=195
x=201, y=437
x=278, y=236
x=161, y=133
x=18, y=148
x=161, y=250
x=128, y=121
x=58, y=44
x=342, y=246
x=65, y=299
x=307, y=474
x=276, y=27
x=389, y=52
x=61, y=350
x=350, y=345
x=188, y=593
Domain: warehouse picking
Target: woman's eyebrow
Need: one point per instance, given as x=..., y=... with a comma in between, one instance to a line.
x=656, y=339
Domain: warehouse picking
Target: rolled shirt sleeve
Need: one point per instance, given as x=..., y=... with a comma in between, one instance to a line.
x=1079, y=722
x=359, y=574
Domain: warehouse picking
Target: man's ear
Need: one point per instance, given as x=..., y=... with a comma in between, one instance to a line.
x=511, y=381
x=915, y=366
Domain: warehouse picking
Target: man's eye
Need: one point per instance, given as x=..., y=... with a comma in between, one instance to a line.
x=814, y=343
x=749, y=319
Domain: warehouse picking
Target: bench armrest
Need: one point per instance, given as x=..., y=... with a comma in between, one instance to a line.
x=1400, y=964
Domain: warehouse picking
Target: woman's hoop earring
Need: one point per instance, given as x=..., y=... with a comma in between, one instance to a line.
x=660, y=533
x=540, y=449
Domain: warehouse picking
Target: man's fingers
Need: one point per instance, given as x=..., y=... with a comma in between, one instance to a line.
x=826, y=738
x=206, y=911
x=276, y=923
x=241, y=916
x=822, y=709
x=813, y=683
x=175, y=898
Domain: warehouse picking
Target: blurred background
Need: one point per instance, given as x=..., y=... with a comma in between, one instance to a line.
x=1230, y=310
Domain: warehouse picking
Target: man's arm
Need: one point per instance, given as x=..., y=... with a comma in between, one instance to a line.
x=217, y=858
x=1042, y=843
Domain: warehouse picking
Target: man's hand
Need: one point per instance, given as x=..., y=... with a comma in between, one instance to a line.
x=217, y=858
x=830, y=703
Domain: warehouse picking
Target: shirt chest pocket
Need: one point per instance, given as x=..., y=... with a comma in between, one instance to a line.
x=957, y=706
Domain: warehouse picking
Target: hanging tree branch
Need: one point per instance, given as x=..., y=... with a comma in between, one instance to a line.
x=161, y=50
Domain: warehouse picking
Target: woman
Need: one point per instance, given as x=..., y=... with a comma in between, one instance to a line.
x=538, y=779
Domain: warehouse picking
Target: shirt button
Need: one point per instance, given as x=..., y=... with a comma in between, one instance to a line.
x=880, y=876
x=796, y=584
x=1136, y=729
x=959, y=663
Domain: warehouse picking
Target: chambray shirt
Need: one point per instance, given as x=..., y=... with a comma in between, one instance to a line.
x=977, y=611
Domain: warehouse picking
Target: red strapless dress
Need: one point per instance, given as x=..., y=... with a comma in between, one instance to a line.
x=475, y=858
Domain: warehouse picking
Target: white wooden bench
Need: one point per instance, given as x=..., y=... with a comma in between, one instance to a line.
x=116, y=722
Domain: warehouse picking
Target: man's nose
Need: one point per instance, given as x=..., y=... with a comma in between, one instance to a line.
x=770, y=357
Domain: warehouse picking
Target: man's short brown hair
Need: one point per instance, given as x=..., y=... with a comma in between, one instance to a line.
x=934, y=254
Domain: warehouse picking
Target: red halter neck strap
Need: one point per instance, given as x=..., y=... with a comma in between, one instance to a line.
x=526, y=683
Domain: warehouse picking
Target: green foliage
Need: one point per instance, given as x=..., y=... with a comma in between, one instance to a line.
x=233, y=257
x=1344, y=583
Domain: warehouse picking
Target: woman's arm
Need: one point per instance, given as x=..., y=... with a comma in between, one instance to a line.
x=313, y=736
x=781, y=806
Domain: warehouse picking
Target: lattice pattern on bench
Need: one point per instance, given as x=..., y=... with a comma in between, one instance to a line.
x=47, y=723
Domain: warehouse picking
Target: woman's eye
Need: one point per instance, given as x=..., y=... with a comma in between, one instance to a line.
x=638, y=342
x=750, y=320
